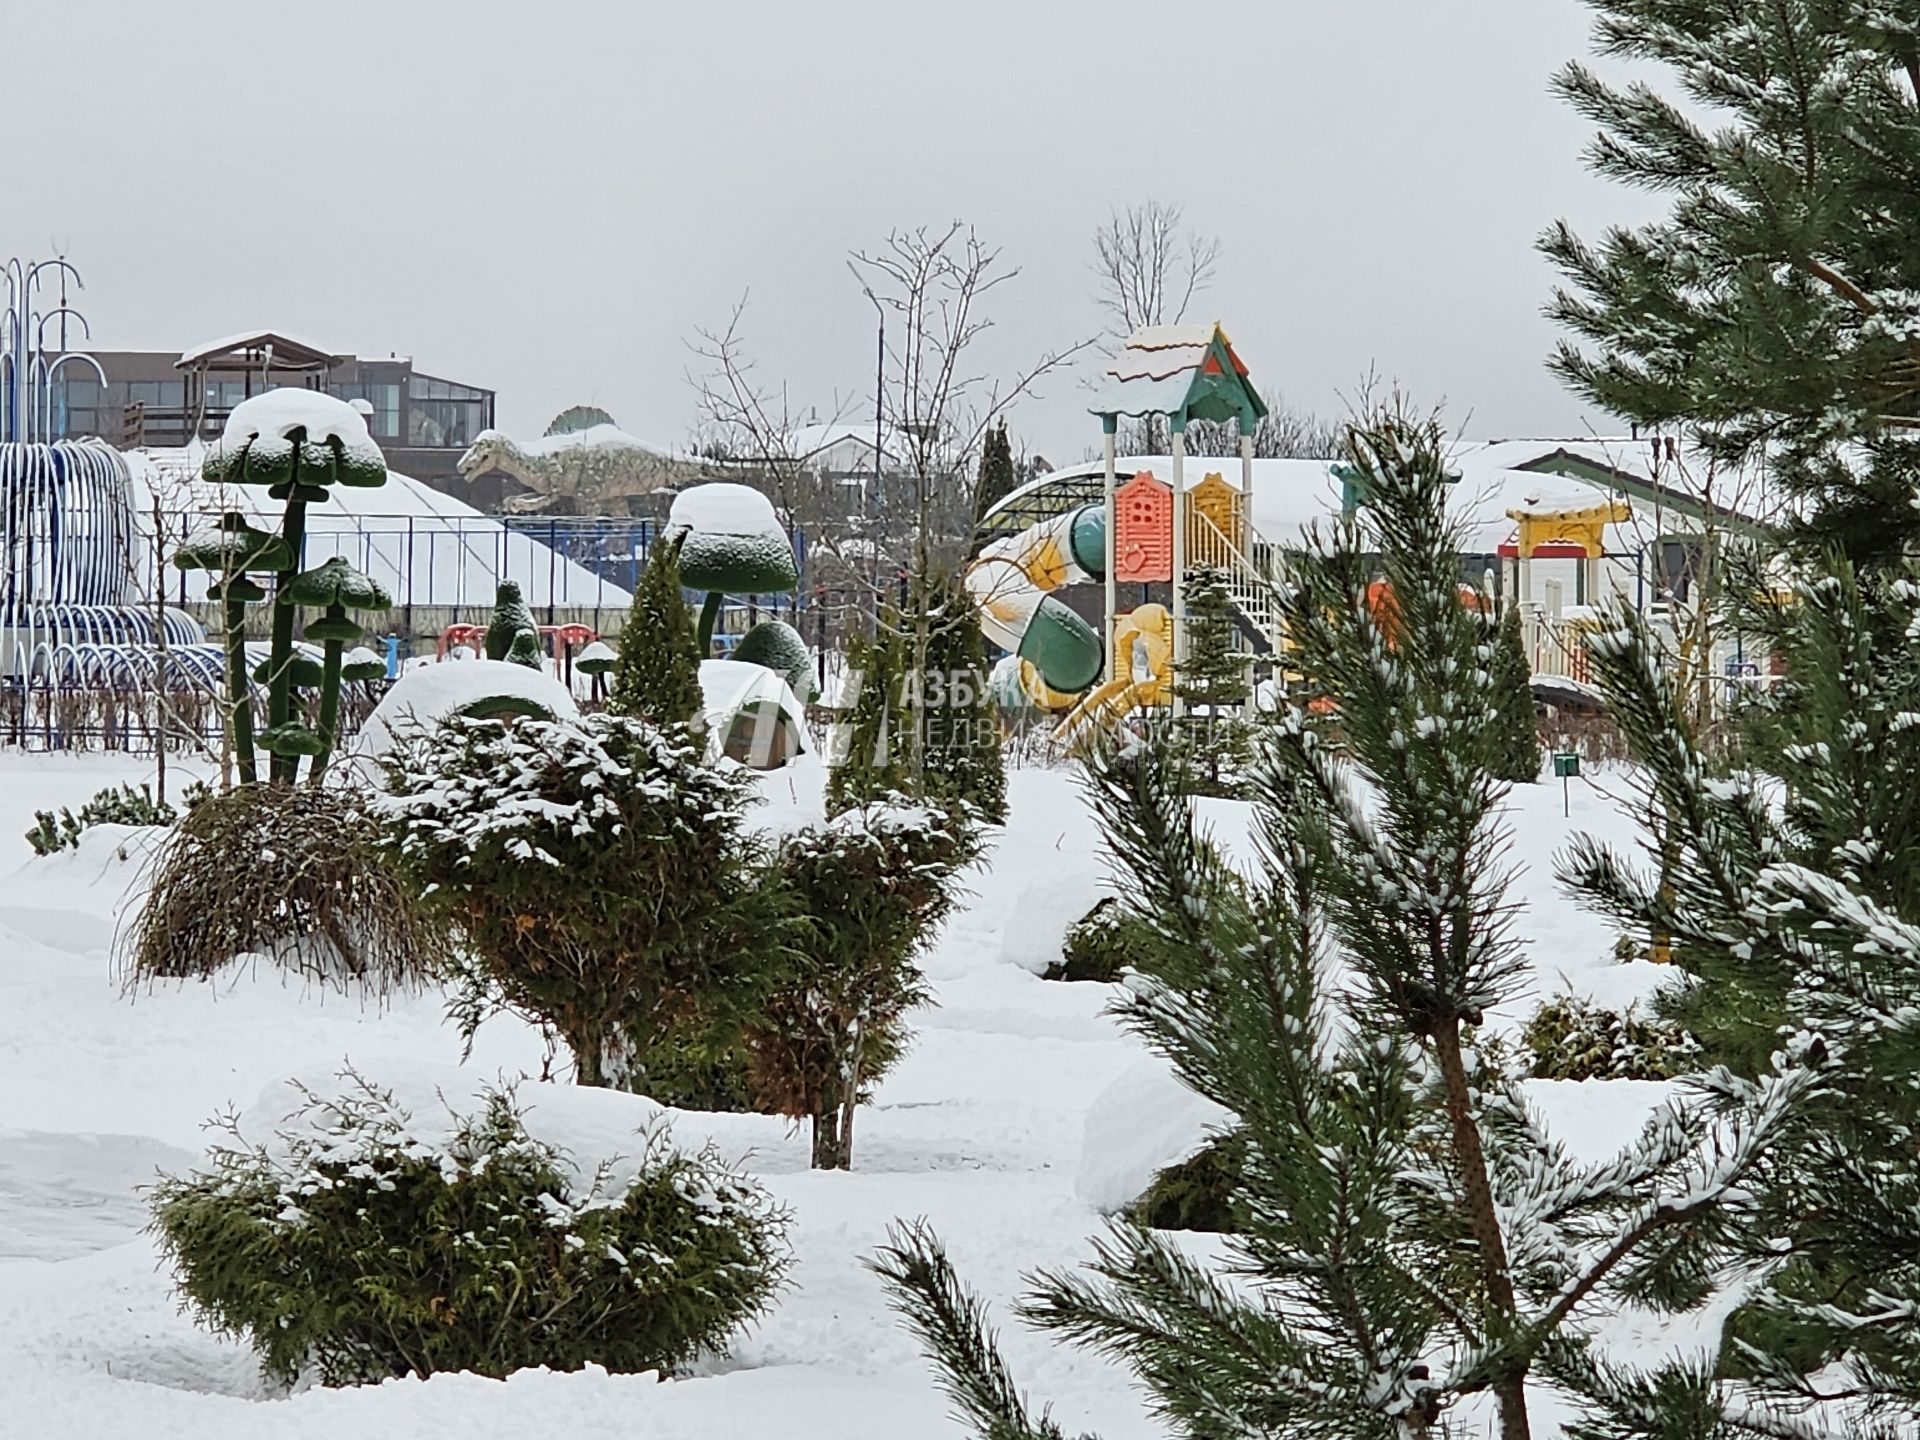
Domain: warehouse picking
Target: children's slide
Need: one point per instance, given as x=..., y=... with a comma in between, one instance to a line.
x=1061, y=655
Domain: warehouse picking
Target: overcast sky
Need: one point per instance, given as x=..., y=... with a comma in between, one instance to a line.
x=547, y=198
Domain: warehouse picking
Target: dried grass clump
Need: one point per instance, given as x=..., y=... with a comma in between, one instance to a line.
x=295, y=874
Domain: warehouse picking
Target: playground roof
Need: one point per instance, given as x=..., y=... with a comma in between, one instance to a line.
x=1495, y=477
x=1185, y=372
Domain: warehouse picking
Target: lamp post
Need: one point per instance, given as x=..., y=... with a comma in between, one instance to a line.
x=879, y=410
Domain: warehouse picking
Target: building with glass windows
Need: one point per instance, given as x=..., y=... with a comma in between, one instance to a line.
x=155, y=399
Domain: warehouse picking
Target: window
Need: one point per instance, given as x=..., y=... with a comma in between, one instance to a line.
x=156, y=394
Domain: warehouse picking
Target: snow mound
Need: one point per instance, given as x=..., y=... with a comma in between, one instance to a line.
x=587, y=1124
x=433, y=692
x=1143, y=1122
x=276, y=414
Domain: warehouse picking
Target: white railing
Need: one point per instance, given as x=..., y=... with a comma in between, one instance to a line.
x=1208, y=548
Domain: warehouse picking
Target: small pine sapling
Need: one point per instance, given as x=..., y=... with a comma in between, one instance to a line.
x=1212, y=682
x=964, y=764
x=870, y=749
x=1519, y=757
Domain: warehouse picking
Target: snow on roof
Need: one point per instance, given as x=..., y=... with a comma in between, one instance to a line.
x=810, y=440
x=425, y=546
x=1158, y=368
x=252, y=340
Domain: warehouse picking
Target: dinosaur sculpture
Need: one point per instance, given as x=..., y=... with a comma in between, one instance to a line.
x=598, y=470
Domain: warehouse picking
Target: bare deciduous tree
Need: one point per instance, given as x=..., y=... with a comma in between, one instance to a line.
x=1149, y=267
x=933, y=282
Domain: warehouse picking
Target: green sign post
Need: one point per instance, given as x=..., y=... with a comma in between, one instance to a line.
x=1566, y=765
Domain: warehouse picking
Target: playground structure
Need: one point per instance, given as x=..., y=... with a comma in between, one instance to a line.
x=1146, y=531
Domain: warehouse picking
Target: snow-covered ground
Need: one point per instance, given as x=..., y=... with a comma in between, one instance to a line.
x=981, y=1130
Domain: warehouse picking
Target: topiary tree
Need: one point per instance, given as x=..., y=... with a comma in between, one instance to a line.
x=525, y=651
x=870, y=748
x=1518, y=758
x=297, y=443
x=657, y=677
x=510, y=617
x=364, y=1242
x=870, y=885
x=777, y=646
x=731, y=542
x=599, y=874
x=964, y=764
x=337, y=588
x=228, y=551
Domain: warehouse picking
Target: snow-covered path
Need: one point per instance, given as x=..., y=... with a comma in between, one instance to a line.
x=980, y=1130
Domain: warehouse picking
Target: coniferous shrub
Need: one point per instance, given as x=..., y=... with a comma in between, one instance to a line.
x=358, y=1245
x=1212, y=739
x=510, y=617
x=869, y=885
x=1572, y=1039
x=871, y=743
x=1102, y=943
x=117, y=805
x=599, y=873
x=964, y=764
x=657, y=677
x=1519, y=724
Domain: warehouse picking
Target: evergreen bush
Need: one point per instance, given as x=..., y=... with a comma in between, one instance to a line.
x=870, y=749
x=870, y=885
x=1213, y=739
x=1518, y=722
x=1198, y=1193
x=510, y=617
x=657, y=677
x=777, y=646
x=1410, y=1236
x=1573, y=1039
x=359, y=1245
x=599, y=873
x=118, y=805
x=964, y=763
x=1101, y=944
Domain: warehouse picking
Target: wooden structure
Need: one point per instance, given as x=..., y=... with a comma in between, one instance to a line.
x=1564, y=531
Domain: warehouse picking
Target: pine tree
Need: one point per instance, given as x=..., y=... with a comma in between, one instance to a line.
x=1518, y=722
x=1776, y=305
x=657, y=676
x=510, y=617
x=997, y=477
x=1793, y=898
x=964, y=763
x=870, y=760
x=1213, y=683
x=1407, y=1235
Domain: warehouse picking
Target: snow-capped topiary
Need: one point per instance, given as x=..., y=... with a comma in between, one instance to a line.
x=378, y=1232
x=475, y=687
x=734, y=543
x=778, y=646
x=289, y=435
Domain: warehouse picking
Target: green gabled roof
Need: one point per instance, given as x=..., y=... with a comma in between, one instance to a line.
x=1185, y=372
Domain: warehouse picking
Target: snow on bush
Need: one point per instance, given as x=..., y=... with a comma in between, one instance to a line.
x=380, y=1232
x=1571, y=1039
x=598, y=872
x=1143, y=1122
x=430, y=693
